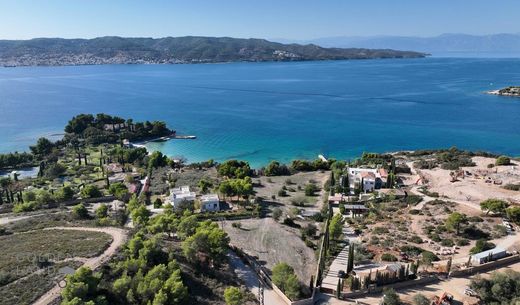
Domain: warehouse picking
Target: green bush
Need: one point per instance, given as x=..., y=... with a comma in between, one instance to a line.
x=462, y=242
x=416, y=239
x=481, y=245
x=388, y=257
x=91, y=191
x=311, y=189
x=503, y=160
x=282, y=193
x=447, y=243
x=512, y=187
x=80, y=211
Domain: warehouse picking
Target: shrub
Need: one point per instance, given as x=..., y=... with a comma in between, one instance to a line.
x=388, y=257
x=102, y=211
x=503, y=160
x=309, y=230
x=91, y=191
x=416, y=239
x=277, y=213
x=411, y=250
x=157, y=203
x=447, y=243
x=25, y=207
x=233, y=296
x=462, y=242
x=512, y=187
x=80, y=211
x=282, y=193
x=380, y=230
x=420, y=299
x=481, y=245
x=311, y=189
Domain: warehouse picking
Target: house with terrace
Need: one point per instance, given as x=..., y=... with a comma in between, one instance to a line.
x=180, y=196
x=366, y=179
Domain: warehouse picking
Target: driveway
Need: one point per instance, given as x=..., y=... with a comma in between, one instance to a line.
x=251, y=280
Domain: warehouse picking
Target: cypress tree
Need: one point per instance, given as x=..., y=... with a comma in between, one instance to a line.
x=350, y=259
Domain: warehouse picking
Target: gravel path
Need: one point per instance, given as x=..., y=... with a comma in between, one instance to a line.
x=118, y=239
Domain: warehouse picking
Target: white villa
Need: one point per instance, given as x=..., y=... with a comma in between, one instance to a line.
x=370, y=178
x=209, y=203
x=181, y=194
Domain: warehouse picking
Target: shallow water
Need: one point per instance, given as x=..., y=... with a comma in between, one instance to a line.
x=264, y=111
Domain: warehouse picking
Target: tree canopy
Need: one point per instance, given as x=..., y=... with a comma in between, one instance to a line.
x=286, y=280
x=274, y=168
x=455, y=220
x=500, y=288
x=495, y=206
x=234, y=169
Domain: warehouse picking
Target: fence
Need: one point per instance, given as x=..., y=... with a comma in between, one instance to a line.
x=263, y=274
x=399, y=285
x=487, y=266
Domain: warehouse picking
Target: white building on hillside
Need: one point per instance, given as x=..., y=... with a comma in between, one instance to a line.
x=210, y=203
x=181, y=194
x=371, y=178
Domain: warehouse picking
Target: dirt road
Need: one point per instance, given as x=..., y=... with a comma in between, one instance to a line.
x=118, y=239
x=251, y=280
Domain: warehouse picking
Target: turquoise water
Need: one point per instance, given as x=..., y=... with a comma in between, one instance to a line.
x=264, y=111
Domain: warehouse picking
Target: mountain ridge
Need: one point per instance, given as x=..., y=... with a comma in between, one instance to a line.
x=167, y=50
x=447, y=42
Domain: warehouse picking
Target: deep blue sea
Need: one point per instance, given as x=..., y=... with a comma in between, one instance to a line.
x=264, y=111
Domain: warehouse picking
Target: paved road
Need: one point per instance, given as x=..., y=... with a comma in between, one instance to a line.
x=118, y=239
x=251, y=280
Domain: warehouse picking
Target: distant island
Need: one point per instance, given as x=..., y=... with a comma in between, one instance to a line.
x=172, y=50
x=509, y=91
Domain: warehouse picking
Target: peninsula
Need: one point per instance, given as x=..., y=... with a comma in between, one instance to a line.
x=172, y=50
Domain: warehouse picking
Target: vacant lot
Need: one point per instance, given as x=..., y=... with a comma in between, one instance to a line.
x=39, y=282
x=481, y=183
x=294, y=190
x=273, y=243
x=27, y=253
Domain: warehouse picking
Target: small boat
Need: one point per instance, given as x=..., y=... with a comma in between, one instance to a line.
x=186, y=137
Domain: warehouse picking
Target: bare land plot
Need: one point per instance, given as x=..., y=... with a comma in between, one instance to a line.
x=26, y=253
x=473, y=188
x=274, y=243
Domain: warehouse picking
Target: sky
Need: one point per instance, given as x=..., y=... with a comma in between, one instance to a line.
x=288, y=19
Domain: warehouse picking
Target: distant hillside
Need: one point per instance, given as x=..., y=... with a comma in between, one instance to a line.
x=118, y=50
x=442, y=43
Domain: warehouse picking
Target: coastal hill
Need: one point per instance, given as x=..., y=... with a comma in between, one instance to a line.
x=495, y=43
x=190, y=49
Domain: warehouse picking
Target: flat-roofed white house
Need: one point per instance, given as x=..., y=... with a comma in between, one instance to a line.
x=209, y=203
x=180, y=195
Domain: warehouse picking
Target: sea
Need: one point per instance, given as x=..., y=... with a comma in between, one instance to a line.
x=282, y=111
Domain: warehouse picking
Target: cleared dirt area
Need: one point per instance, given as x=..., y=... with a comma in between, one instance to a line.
x=474, y=188
x=273, y=243
x=294, y=186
